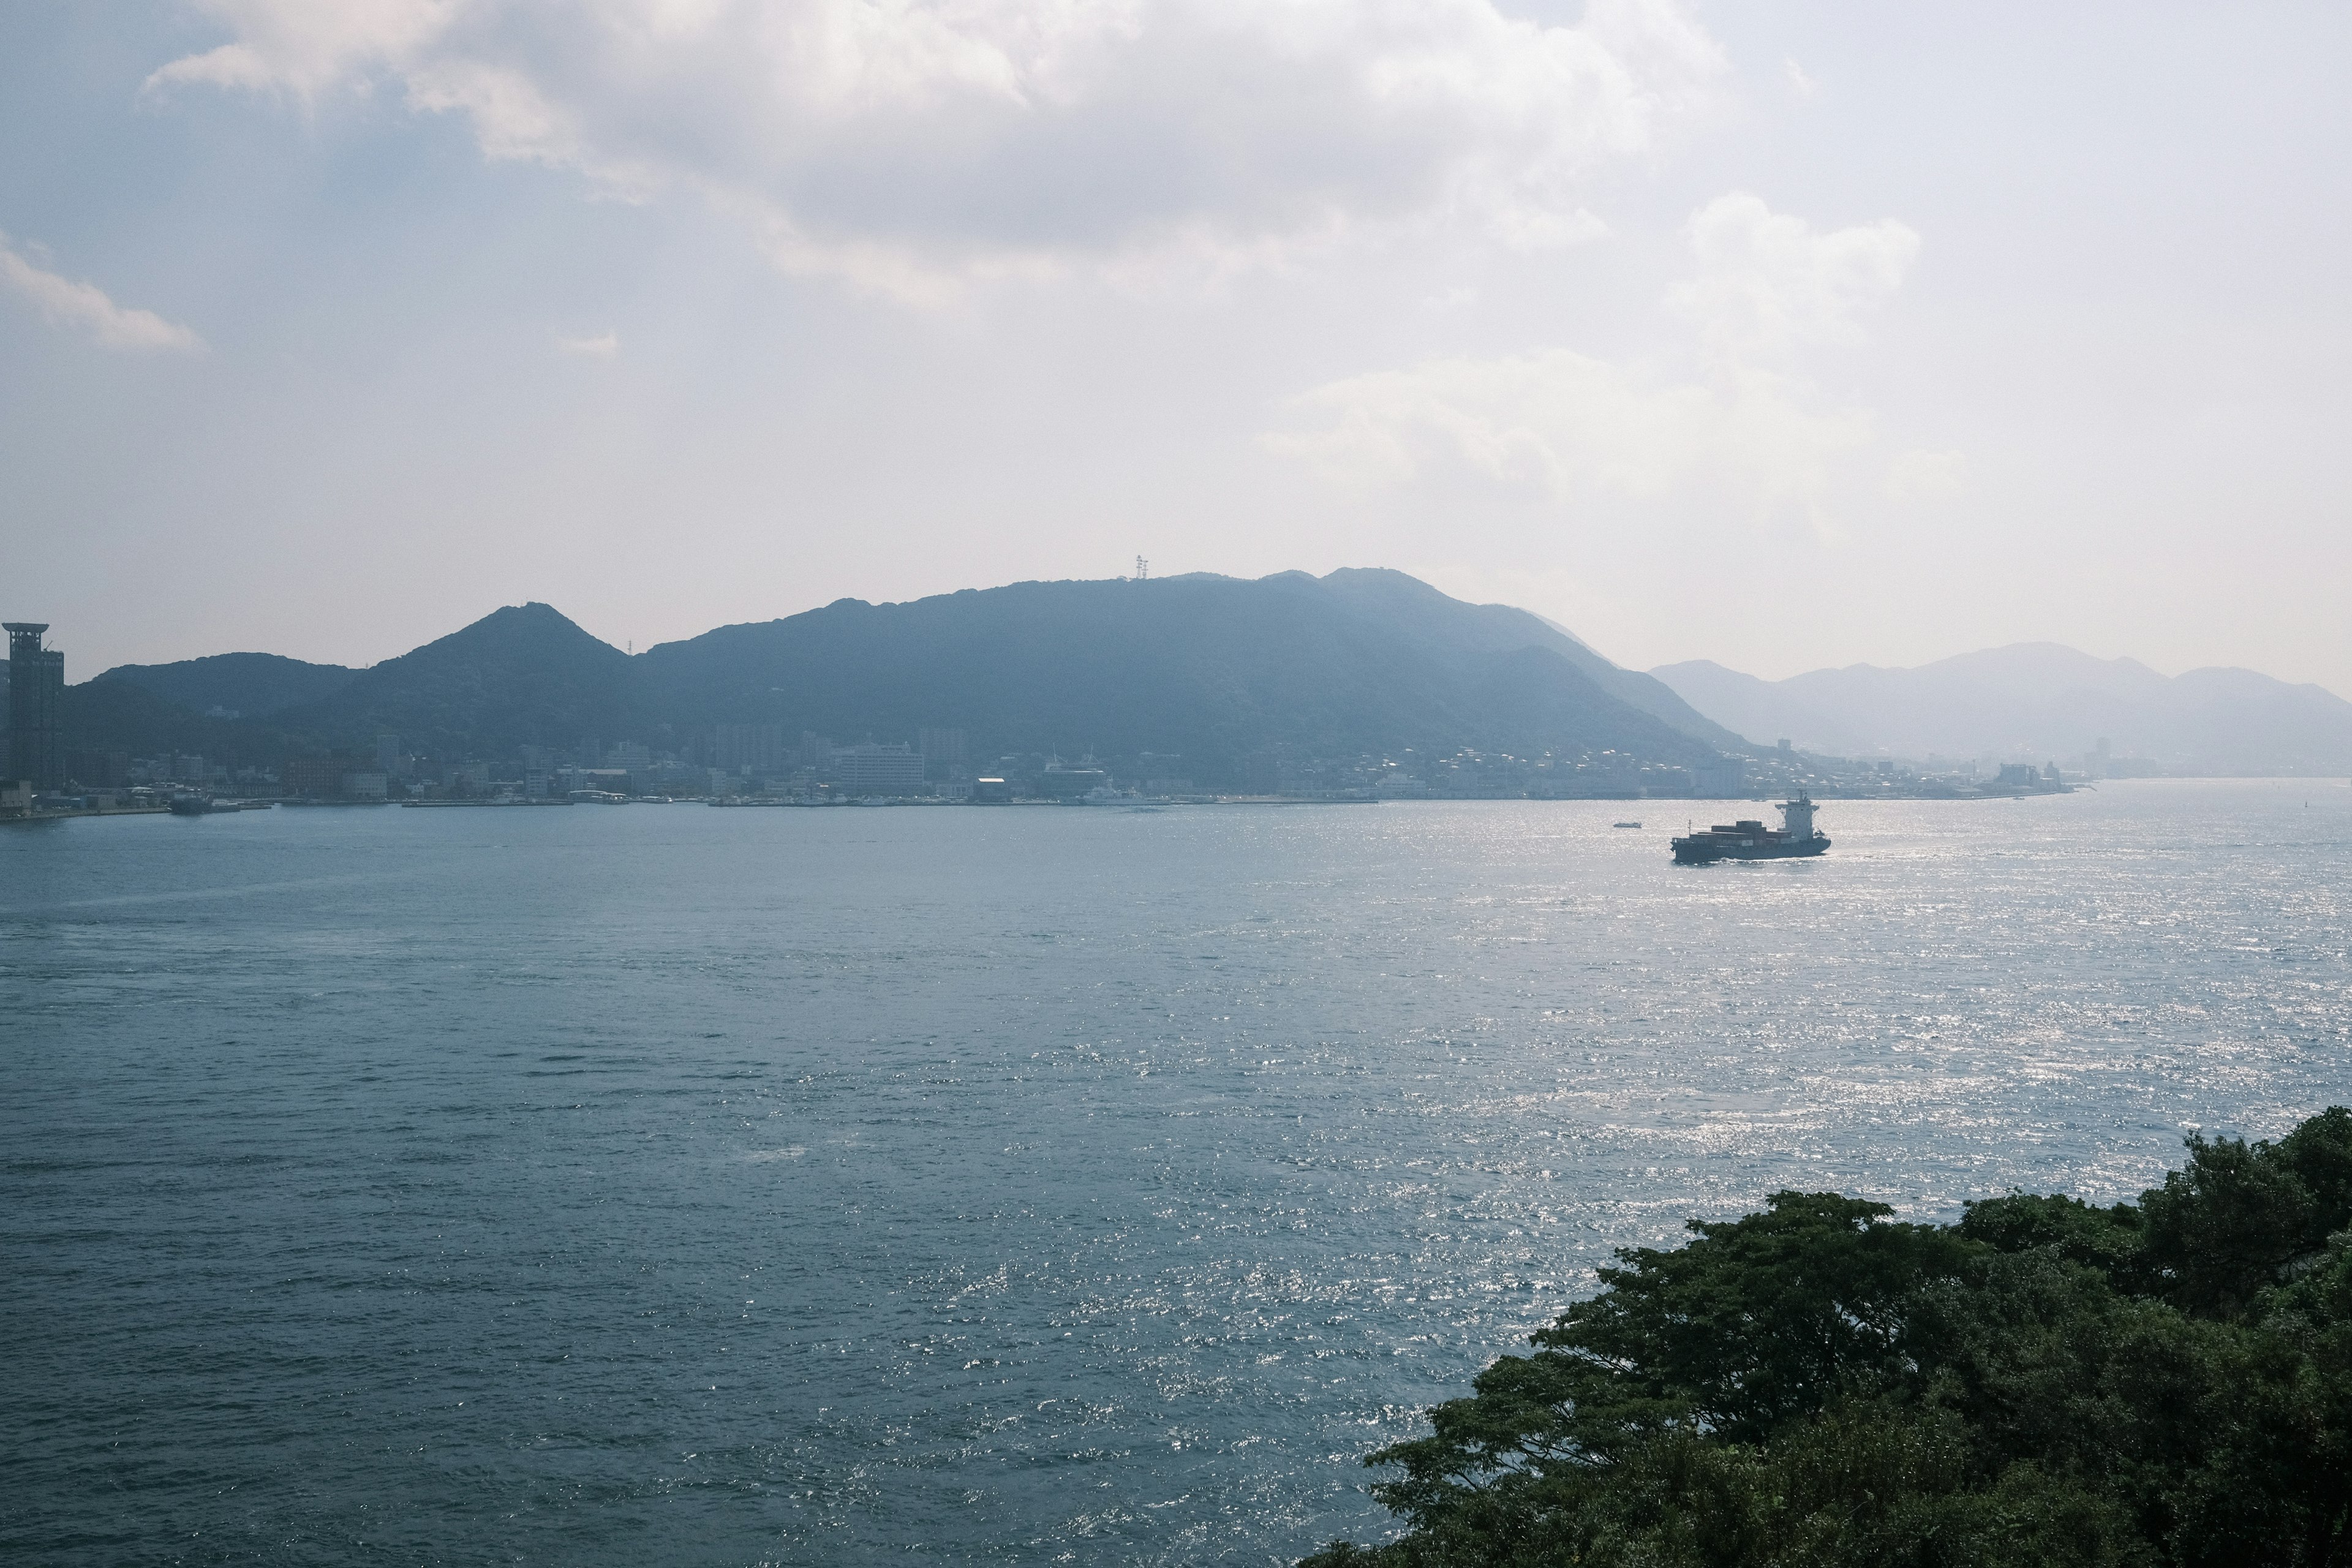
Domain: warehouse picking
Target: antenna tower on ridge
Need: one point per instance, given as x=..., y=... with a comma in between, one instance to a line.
x=1142, y=569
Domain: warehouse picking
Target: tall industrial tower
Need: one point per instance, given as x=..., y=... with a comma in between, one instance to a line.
x=37, y=692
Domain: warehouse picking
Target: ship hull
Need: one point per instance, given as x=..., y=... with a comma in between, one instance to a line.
x=1689, y=853
x=197, y=805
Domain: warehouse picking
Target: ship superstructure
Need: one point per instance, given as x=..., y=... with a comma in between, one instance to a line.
x=1749, y=839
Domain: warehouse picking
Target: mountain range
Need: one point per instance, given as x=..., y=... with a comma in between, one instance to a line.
x=1213, y=669
x=2034, y=701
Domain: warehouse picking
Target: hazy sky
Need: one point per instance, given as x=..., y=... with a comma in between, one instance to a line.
x=1780, y=334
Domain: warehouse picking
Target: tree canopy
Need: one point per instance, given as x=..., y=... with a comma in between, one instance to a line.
x=2044, y=1382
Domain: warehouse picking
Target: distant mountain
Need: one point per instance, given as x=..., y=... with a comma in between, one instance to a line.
x=2034, y=701
x=524, y=675
x=244, y=685
x=1220, y=671
x=1216, y=669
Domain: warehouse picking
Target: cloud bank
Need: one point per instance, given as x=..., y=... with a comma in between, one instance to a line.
x=910, y=147
x=1747, y=427
x=85, y=305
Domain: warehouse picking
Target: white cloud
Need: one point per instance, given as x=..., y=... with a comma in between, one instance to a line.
x=1746, y=429
x=605, y=345
x=1767, y=283
x=1574, y=426
x=86, y=305
x=910, y=146
x=306, y=48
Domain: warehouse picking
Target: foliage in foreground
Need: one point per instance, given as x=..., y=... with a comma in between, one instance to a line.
x=2044, y=1383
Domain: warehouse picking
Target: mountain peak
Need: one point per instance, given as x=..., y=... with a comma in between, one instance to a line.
x=524, y=673
x=531, y=614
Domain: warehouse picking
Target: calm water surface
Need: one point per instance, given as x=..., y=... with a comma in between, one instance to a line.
x=609, y=1187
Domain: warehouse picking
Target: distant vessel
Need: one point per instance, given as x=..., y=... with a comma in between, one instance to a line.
x=1624, y=825
x=188, y=803
x=1749, y=839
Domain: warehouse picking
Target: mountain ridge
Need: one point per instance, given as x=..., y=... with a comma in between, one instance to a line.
x=1216, y=670
x=2040, y=700
x=1213, y=669
x=247, y=685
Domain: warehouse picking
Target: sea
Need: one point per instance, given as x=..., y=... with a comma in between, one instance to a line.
x=660, y=1184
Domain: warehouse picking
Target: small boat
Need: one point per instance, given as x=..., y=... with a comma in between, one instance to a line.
x=1624, y=825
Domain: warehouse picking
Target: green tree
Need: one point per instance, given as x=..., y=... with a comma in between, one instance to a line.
x=2044, y=1382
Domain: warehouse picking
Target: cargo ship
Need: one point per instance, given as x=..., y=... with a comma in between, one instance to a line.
x=1749, y=839
x=188, y=803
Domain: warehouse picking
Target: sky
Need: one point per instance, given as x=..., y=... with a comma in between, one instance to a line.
x=1781, y=334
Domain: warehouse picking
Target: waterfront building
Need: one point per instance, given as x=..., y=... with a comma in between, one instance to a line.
x=37, y=686
x=942, y=747
x=871, y=768
x=757, y=750
x=596, y=781
x=313, y=778
x=1725, y=778
x=96, y=768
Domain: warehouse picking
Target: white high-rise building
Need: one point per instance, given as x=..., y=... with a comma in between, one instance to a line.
x=870, y=769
